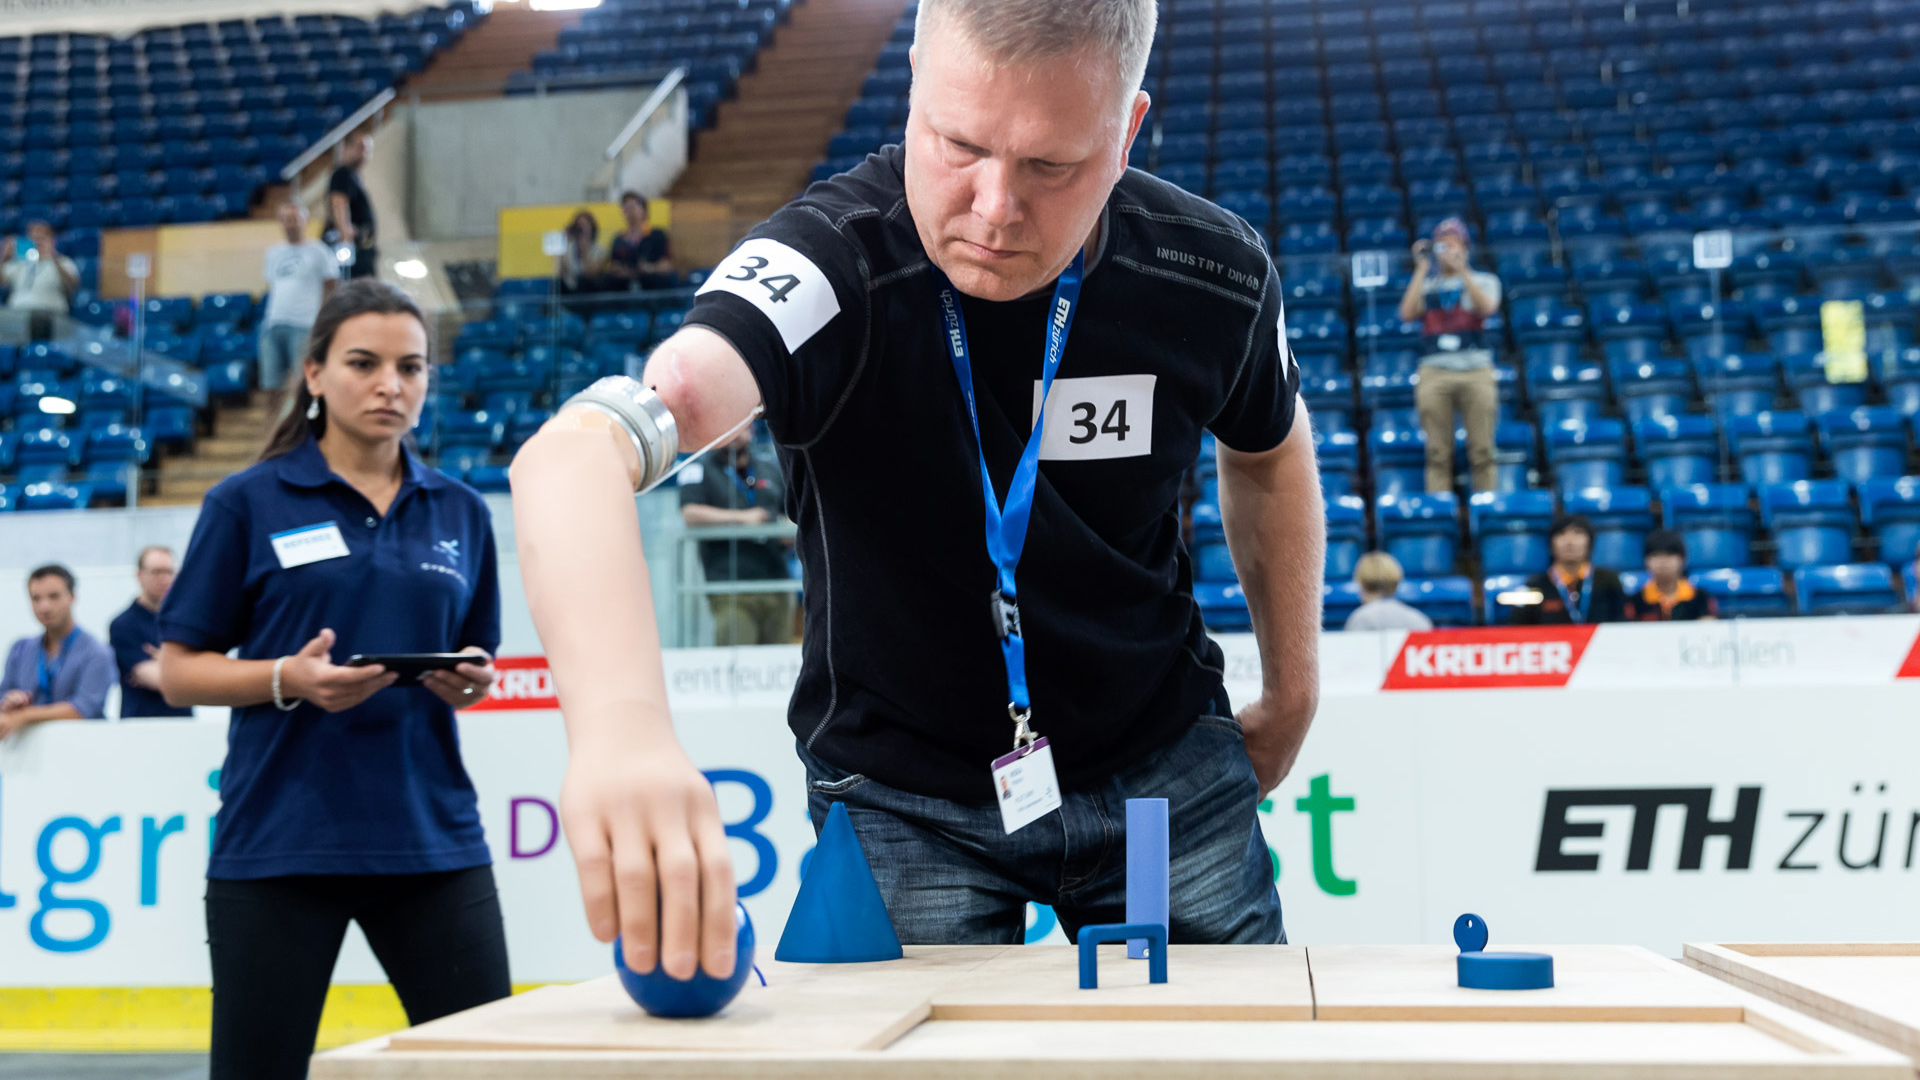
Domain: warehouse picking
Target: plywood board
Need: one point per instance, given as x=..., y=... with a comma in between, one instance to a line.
x=1799, y=1049
x=1204, y=982
x=1869, y=988
x=1591, y=982
x=803, y=1007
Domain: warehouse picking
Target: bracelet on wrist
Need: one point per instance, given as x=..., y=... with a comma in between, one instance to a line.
x=278, y=702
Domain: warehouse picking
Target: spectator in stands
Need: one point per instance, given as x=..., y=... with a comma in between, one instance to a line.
x=343, y=797
x=350, y=217
x=582, y=268
x=301, y=273
x=640, y=253
x=1456, y=363
x=733, y=488
x=1573, y=590
x=1378, y=574
x=62, y=673
x=135, y=637
x=1668, y=596
x=42, y=281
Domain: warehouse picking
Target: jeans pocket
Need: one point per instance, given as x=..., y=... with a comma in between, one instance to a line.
x=818, y=786
x=1225, y=722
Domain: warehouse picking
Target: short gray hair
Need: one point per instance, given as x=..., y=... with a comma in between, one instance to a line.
x=1027, y=31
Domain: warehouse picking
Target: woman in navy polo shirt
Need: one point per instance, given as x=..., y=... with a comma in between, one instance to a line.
x=343, y=796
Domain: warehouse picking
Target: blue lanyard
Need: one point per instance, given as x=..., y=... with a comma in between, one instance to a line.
x=1007, y=528
x=1586, y=595
x=45, y=673
x=745, y=486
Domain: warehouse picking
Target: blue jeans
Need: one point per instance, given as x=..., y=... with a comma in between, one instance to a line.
x=951, y=876
x=282, y=346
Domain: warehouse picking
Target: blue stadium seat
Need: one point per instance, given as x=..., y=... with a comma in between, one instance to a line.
x=1806, y=374
x=1678, y=450
x=170, y=425
x=1587, y=453
x=1772, y=447
x=1339, y=453
x=53, y=495
x=1811, y=521
x=1223, y=606
x=1399, y=461
x=1448, y=601
x=1890, y=512
x=1738, y=384
x=1758, y=592
x=478, y=428
x=1652, y=388
x=1337, y=603
x=1493, y=588
x=1420, y=530
x=1346, y=535
x=1849, y=588
x=1510, y=530
x=1621, y=518
x=1715, y=521
x=1864, y=443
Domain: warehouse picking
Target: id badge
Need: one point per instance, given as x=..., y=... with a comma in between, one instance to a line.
x=310, y=544
x=1449, y=342
x=1026, y=785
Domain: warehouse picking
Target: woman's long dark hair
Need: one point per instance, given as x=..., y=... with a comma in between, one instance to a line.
x=362, y=296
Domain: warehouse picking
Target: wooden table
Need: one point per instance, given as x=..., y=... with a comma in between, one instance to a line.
x=1869, y=988
x=1017, y=1013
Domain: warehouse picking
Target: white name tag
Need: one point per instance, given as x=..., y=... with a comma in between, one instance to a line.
x=788, y=288
x=1026, y=785
x=1109, y=416
x=309, y=544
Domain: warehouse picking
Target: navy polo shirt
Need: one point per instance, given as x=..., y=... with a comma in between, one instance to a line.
x=378, y=788
x=130, y=633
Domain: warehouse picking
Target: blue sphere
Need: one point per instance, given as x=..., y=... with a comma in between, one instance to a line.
x=703, y=995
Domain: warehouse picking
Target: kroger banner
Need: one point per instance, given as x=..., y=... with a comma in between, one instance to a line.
x=1643, y=784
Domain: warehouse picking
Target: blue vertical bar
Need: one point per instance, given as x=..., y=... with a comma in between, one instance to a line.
x=1147, y=868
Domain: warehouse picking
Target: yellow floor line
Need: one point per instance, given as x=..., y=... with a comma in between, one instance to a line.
x=170, y=1018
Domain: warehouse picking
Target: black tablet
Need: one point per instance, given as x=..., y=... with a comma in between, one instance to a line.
x=410, y=666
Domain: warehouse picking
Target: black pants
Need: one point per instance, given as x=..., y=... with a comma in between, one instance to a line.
x=274, y=942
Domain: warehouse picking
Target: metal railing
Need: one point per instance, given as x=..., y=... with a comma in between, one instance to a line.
x=690, y=584
x=293, y=169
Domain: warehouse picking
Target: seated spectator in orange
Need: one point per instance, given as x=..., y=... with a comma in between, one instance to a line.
x=1573, y=590
x=1668, y=596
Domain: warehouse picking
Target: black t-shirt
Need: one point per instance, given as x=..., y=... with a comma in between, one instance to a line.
x=714, y=482
x=346, y=182
x=1608, y=604
x=833, y=304
x=650, y=248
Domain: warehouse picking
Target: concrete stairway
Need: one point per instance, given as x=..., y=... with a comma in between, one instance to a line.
x=239, y=431
x=769, y=137
x=504, y=42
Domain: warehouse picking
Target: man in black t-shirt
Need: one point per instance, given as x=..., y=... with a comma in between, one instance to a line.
x=900, y=326
x=1573, y=590
x=349, y=211
x=640, y=253
x=733, y=488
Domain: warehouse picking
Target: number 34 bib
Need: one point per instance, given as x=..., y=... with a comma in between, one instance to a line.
x=1108, y=416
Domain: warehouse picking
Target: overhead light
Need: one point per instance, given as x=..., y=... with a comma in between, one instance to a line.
x=562, y=5
x=57, y=406
x=410, y=268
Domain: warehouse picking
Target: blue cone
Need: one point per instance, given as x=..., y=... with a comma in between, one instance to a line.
x=838, y=918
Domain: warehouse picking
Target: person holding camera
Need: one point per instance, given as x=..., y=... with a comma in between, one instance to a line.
x=1452, y=306
x=40, y=279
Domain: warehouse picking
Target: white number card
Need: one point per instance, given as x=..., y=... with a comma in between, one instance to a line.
x=788, y=288
x=1108, y=416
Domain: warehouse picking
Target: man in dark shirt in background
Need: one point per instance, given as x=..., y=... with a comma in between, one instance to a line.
x=732, y=488
x=640, y=253
x=1573, y=590
x=349, y=211
x=135, y=637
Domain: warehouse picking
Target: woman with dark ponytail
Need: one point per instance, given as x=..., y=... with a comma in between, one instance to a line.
x=343, y=797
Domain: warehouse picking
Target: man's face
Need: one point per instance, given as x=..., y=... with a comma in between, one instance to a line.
x=1572, y=546
x=635, y=212
x=1666, y=569
x=293, y=219
x=354, y=150
x=52, y=601
x=156, y=575
x=1008, y=166
x=41, y=235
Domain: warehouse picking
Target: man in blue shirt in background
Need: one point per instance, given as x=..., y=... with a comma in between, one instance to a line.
x=135, y=636
x=62, y=674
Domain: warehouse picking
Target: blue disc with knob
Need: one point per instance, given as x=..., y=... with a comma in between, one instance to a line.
x=663, y=995
x=1477, y=969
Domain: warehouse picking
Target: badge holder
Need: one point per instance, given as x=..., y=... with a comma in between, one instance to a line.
x=1024, y=781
